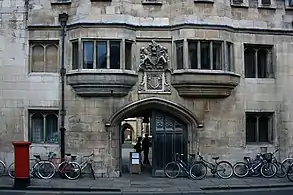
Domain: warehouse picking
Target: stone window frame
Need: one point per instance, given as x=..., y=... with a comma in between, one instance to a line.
x=270, y=117
x=224, y=56
x=44, y=113
x=270, y=60
x=244, y=4
x=80, y=41
x=151, y=2
x=287, y=5
x=272, y=5
x=44, y=44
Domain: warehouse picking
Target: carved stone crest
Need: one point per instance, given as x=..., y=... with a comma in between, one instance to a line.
x=154, y=64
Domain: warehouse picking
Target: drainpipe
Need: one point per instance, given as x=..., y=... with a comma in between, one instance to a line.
x=63, y=18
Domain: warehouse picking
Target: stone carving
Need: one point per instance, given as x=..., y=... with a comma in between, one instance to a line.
x=154, y=65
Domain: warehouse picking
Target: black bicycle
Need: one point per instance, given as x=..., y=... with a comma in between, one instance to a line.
x=223, y=168
x=174, y=168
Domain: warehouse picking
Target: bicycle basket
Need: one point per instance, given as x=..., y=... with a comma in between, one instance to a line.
x=268, y=157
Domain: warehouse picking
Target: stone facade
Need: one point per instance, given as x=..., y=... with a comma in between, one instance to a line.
x=212, y=103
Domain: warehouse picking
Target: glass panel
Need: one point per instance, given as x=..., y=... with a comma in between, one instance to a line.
x=114, y=54
x=205, y=55
x=128, y=55
x=229, y=56
x=75, y=57
x=179, y=55
x=217, y=56
x=263, y=128
x=51, y=58
x=37, y=128
x=101, y=54
x=249, y=60
x=37, y=58
x=51, y=128
x=262, y=63
x=88, y=54
x=192, y=51
x=251, y=129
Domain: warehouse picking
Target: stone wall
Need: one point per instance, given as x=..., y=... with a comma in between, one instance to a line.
x=223, y=133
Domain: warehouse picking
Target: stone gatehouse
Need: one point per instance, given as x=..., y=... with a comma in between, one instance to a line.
x=210, y=76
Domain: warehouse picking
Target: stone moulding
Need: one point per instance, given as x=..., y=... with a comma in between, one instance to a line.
x=102, y=83
x=204, y=83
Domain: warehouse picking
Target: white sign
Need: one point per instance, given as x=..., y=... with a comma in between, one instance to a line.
x=135, y=155
x=135, y=161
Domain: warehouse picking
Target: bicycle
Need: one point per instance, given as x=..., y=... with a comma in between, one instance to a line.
x=289, y=173
x=218, y=168
x=179, y=164
x=257, y=167
x=34, y=163
x=2, y=168
x=281, y=170
x=84, y=164
x=50, y=166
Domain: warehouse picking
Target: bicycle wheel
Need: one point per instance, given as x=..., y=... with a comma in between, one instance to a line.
x=287, y=162
x=224, y=169
x=2, y=168
x=46, y=170
x=175, y=170
x=72, y=170
x=240, y=169
x=11, y=170
x=290, y=173
x=268, y=170
x=281, y=170
x=34, y=169
x=198, y=171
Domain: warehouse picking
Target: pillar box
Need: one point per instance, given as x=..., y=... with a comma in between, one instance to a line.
x=22, y=165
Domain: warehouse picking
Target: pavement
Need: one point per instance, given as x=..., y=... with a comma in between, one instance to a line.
x=143, y=184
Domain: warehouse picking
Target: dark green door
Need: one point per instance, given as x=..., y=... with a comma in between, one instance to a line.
x=168, y=137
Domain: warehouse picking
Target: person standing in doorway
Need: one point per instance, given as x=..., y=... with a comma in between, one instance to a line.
x=146, y=148
x=137, y=146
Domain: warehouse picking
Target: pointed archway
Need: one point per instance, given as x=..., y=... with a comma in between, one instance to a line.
x=148, y=105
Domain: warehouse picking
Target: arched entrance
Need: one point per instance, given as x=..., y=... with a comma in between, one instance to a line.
x=173, y=129
x=127, y=133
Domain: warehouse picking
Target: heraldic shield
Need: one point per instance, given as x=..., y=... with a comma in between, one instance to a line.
x=154, y=65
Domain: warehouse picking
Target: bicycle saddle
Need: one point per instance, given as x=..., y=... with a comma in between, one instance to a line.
x=216, y=158
x=246, y=158
x=73, y=157
x=68, y=154
x=37, y=156
x=192, y=155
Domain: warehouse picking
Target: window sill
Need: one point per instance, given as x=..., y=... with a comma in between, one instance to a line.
x=61, y=2
x=44, y=145
x=152, y=2
x=204, y=1
x=43, y=74
x=240, y=5
x=259, y=144
x=271, y=7
x=204, y=83
x=260, y=80
x=102, y=82
x=289, y=8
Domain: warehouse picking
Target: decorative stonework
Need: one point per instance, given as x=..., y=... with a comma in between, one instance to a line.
x=154, y=65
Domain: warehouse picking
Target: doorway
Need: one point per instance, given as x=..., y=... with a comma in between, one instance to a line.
x=167, y=134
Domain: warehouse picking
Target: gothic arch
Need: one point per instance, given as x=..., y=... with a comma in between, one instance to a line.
x=170, y=107
x=123, y=128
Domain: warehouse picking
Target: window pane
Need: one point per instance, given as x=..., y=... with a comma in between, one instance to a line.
x=114, y=54
x=262, y=63
x=88, y=54
x=251, y=129
x=75, y=58
x=101, y=54
x=205, y=55
x=51, y=128
x=37, y=128
x=192, y=51
x=249, y=60
x=51, y=58
x=179, y=55
x=37, y=58
x=128, y=55
x=229, y=56
x=263, y=123
x=217, y=56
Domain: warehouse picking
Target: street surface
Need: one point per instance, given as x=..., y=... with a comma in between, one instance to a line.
x=276, y=191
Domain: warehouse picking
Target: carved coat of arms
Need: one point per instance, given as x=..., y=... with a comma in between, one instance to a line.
x=154, y=64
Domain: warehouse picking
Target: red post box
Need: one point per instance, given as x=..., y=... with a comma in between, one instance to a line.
x=22, y=165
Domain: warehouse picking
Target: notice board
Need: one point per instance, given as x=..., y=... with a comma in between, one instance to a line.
x=134, y=162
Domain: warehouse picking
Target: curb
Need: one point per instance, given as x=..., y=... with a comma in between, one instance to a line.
x=40, y=188
x=247, y=187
